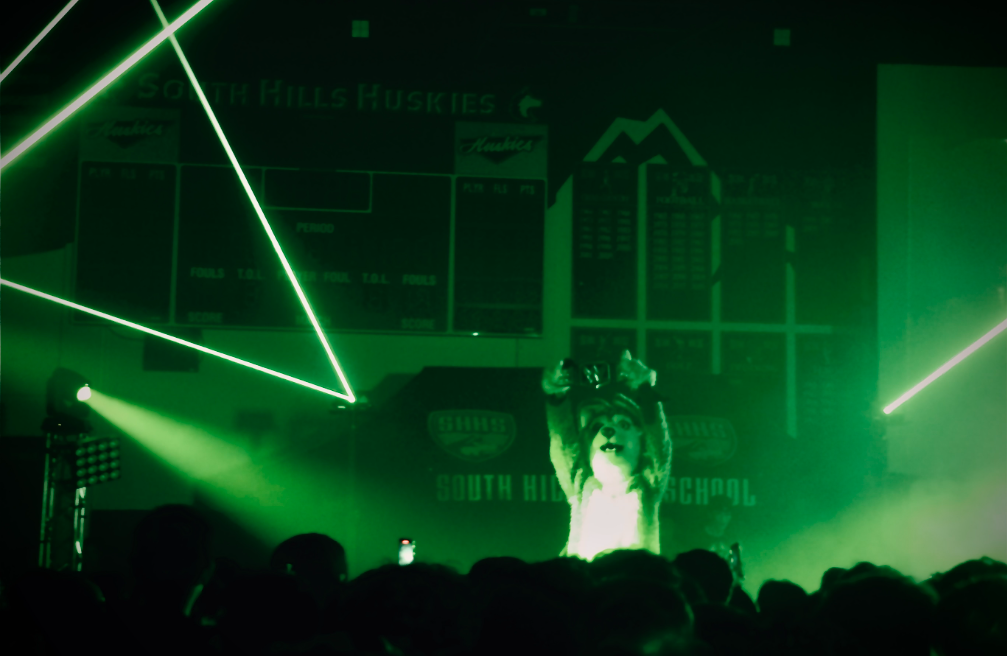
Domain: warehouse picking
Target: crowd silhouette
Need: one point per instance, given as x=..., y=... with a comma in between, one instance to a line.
x=179, y=600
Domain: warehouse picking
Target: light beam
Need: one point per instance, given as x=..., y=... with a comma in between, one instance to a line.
x=100, y=85
x=274, y=498
x=36, y=40
x=947, y=365
x=172, y=338
x=255, y=204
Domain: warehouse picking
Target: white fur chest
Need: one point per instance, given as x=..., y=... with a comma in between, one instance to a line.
x=609, y=521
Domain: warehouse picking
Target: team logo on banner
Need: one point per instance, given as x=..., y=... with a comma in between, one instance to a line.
x=703, y=440
x=111, y=133
x=127, y=133
x=472, y=435
x=498, y=149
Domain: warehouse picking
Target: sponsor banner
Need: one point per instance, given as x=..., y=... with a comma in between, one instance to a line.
x=505, y=150
x=130, y=134
x=472, y=435
x=701, y=440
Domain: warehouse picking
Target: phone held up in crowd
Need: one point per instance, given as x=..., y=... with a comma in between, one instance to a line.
x=407, y=550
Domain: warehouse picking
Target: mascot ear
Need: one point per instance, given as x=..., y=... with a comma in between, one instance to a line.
x=589, y=410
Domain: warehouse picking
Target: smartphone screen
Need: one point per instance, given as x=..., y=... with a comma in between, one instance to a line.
x=407, y=550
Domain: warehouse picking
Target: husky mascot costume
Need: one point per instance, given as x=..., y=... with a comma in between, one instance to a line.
x=612, y=454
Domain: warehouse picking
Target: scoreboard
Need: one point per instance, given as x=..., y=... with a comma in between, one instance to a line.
x=716, y=246
x=180, y=244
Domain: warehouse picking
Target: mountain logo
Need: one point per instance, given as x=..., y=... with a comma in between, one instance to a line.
x=127, y=133
x=634, y=142
x=472, y=435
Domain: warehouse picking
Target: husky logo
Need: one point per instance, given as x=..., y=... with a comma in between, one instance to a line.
x=498, y=149
x=703, y=440
x=524, y=106
x=472, y=435
x=127, y=133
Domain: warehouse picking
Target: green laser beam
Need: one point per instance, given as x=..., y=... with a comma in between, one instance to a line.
x=947, y=365
x=172, y=338
x=36, y=40
x=255, y=204
x=100, y=85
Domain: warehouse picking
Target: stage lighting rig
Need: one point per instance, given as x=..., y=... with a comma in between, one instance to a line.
x=66, y=412
x=73, y=462
x=96, y=461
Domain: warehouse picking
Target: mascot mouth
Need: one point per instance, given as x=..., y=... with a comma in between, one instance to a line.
x=611, y=447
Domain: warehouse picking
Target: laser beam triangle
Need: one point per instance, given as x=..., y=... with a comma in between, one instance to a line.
x=258, y=209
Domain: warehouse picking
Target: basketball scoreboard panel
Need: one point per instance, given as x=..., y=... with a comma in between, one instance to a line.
x=708, y=230
x=180, y=244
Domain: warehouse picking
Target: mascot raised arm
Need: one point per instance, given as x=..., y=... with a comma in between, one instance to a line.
x=611, y=449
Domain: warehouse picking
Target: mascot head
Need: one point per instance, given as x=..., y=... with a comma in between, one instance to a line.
x=612, y=429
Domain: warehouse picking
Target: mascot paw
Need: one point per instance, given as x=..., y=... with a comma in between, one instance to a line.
x=634, y=372
x=556, y=381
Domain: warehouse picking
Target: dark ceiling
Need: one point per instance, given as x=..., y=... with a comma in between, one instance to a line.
x=94, y=33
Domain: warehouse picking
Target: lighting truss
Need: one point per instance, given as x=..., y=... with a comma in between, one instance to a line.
x=255, y=204
x=101, y=84
x=172, y=338
x=36, y=40
x=947, y=365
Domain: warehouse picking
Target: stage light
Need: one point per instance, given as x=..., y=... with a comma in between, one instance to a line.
x=947, y=365
x=172, y=338
x=255, y=204
x=101, y=84
x=65, y=412
x=36, y=40
x=84, y=393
